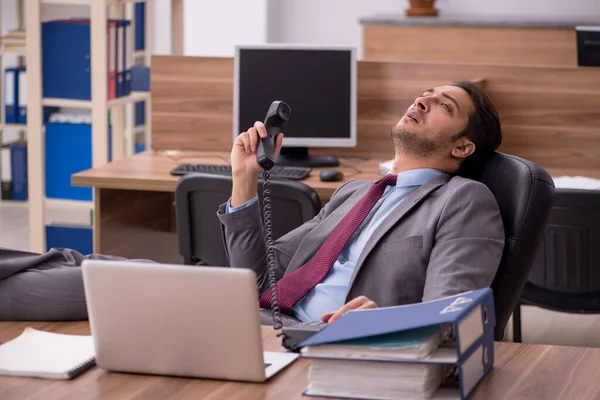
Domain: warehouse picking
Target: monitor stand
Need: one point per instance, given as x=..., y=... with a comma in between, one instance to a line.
x=298, y=157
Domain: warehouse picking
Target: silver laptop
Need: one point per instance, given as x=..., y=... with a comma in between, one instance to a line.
x=178, y=320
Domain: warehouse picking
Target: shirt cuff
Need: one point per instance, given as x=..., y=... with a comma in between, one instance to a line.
x=229, y=209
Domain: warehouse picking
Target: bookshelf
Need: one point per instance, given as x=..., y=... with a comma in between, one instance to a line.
x=121, y=109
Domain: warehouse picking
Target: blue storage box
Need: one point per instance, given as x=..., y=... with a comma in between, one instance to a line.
x=140, y=78
x=79, y=238
x=139, y=148
x=68, y=151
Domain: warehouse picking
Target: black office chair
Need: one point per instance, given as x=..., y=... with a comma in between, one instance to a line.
x=198, y=196
x=566, y=272
x=524, y=193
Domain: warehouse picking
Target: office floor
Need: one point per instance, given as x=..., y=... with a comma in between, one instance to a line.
x=539, y=326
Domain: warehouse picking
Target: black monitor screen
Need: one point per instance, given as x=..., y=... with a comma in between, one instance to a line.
x=316, y=84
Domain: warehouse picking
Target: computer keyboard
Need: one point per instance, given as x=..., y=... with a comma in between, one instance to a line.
x=278, y=171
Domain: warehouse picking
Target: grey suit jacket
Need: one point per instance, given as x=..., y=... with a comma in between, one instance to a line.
x=445, y=238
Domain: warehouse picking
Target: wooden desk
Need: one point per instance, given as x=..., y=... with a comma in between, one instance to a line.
x=133, y=199
x=521, y=371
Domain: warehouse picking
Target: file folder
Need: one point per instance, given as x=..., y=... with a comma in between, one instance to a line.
x=140, y=25
x=469, y=317
x=140, y=113
x=128, y=58
x=6, y=172
x=19, y=171
x=11, y=76
x=22, y=95
x=112, y=60
x=122, y=58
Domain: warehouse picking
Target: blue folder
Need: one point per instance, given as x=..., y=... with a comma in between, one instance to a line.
x=140, y=25
x=127, y=57
x=22, y=95
x=11, y=98
x=19, y=171
x=140, y=113
x=469, y=316
x=122, y=57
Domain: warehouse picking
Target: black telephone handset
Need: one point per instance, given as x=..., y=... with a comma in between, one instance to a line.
x=277, y=115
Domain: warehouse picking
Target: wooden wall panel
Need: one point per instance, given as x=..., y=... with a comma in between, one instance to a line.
x=550, y=115
x=192, y=102
x=523, y=46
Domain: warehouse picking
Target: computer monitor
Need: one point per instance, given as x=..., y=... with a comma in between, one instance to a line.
x=317, y=82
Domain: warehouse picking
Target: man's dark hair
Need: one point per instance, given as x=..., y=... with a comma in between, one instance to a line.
x=484, y=127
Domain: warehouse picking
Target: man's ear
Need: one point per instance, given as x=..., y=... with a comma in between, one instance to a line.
x=463, y=148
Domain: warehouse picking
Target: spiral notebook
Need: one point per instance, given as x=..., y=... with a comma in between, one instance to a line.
x=48, y=355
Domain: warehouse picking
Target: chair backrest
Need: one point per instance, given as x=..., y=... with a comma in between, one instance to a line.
x=524, y=193
x=566, y=273
x=198, y=196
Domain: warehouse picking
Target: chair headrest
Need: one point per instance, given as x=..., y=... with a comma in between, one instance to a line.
x=513, y=181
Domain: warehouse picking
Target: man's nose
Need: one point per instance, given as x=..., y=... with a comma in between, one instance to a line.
x=421, y=104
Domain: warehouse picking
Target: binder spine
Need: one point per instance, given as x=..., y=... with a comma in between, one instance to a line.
x=6, y=172
x=477, y=363
x=10, y=95
x=477, y=322
x=22, y=96
x=19, y=171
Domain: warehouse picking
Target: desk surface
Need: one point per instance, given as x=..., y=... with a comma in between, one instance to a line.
x=521, y=371
x=150, y=171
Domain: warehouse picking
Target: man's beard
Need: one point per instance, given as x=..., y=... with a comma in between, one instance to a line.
x=413, y=144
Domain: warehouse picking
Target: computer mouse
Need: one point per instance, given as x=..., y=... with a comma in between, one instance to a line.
x=331, y=175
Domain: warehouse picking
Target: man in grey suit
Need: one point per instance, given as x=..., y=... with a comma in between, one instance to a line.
x=432, y=233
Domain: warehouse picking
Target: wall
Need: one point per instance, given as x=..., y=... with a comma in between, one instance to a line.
x=336, y=21
x=213, y=28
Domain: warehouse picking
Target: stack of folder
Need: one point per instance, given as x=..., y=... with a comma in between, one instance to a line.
x=434, y=350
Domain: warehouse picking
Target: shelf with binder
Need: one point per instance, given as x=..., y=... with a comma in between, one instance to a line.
x=88, y=91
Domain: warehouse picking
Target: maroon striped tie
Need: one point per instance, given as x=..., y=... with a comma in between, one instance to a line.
x=295, y=285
